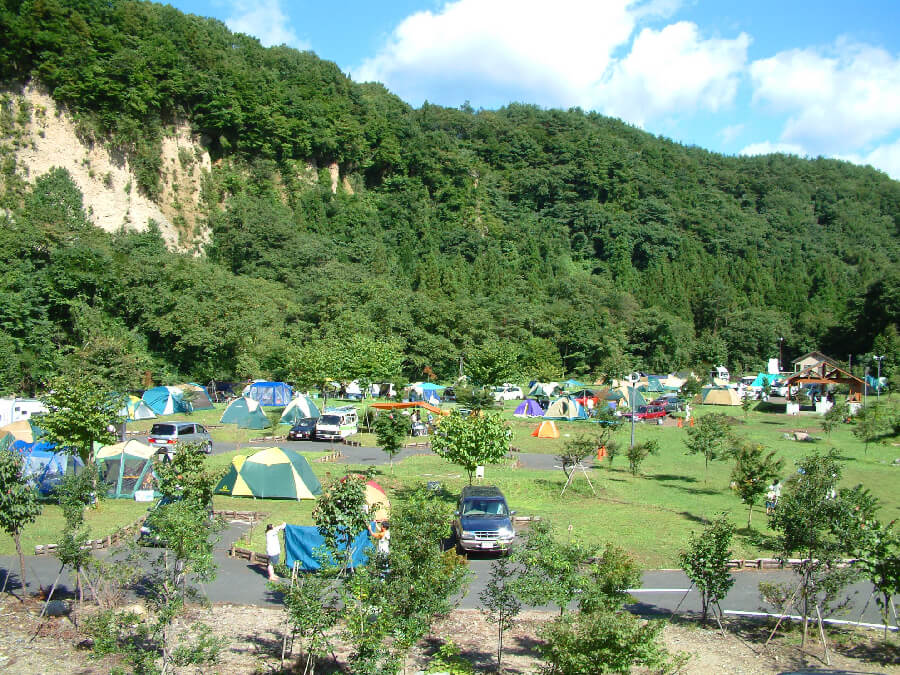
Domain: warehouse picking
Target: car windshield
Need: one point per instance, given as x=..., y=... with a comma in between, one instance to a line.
x=305, y=423
x=485, y=507
x=331, y=420
x=162, y=430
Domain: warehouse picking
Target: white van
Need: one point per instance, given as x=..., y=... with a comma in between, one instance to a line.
x=336, y=423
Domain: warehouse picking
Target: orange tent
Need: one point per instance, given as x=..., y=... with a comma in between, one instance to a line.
x=546, y=429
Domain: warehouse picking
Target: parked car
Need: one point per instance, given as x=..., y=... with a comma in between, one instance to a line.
x=449, y=394
x=647, y=412
x=304, y=430
x=670, y=403
x=167, y=436
x=507, y=393
x=482, y=521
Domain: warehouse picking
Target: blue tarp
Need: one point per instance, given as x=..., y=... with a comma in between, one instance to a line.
x=761, y=379
x=301, y=542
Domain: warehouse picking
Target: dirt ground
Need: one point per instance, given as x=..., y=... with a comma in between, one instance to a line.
x=254, y=636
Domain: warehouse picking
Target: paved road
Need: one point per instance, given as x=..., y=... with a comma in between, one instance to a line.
x=661, y=591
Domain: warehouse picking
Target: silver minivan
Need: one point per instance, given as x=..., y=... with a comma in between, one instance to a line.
x=166, y=436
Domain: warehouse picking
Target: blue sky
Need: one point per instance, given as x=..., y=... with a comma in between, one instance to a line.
x=809, y=78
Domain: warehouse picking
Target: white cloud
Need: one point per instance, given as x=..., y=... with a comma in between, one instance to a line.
x=838, y=99
x=884, y=157
x=549, y=53
x=731, y=132
x=767, y=148
x=673, y=70
x=264, y=19
x=560, y=55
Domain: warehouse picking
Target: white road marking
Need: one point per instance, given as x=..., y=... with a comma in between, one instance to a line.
x=794, y=617
x=658, y=590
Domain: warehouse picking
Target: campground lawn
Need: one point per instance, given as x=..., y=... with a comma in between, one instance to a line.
x=651, y=515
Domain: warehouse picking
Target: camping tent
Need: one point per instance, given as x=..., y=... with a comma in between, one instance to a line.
x=125, y=468
x=762, y=378
x=165, y=400
x=546, y=429
x=44, y=466
x=246, y=413
x=269, y=393
x=271, y=473
x=542, y=388
x=566, y=409
x=375, y=495
x=196, y=395
x=633, y=395
x=426, y=391
x=23, y=430
x=299, y=408
x=572, y=384
x=720, y=396
x=528, y=408
x=136, y=409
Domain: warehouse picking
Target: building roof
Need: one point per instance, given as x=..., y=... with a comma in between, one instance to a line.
x=819, y=356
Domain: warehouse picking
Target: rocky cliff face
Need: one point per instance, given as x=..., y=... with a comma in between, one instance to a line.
x=39, y=136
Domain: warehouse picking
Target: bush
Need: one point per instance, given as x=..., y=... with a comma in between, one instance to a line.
x=603, y=642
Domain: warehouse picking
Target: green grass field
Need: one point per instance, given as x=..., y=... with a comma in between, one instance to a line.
x=651, y=514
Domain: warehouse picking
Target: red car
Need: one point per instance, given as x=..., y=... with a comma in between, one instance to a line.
x=648, y=412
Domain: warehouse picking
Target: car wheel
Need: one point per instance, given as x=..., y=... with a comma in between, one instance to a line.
x=208, y=448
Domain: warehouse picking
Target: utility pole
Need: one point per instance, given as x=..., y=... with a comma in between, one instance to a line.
x=879, y=359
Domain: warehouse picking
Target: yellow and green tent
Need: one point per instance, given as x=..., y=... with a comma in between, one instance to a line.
x=271, y=473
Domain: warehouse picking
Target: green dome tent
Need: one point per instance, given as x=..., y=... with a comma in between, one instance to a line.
x=126, y=468
x=272, y=473
x=246, y=413
x=299, y=408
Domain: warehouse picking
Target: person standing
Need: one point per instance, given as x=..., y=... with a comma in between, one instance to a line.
x=273, y=547
x=381, y=533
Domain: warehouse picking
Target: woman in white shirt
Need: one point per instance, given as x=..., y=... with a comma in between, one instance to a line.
x=273, y=547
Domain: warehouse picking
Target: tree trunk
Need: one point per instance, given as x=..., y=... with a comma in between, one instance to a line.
x=749, y=515
x=499, y=641
x=18, y=539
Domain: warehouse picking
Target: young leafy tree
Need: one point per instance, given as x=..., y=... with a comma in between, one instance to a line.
x=19, y=505
x=605, y=581
x=80, y=415
x=706, y=561
x=753, y=471
x=870, y=424
x=185, y=477
x=639, y=452
x=471, y=440
x=475, y=398
x=75, y=494
x=710, y=437
x=575, y=450
x=811, y=520
x=500, y=601
x=340, y=514
x=837, y=415
x=391, y=430
x=879, y=561
x=549, y=569
x=312, y=613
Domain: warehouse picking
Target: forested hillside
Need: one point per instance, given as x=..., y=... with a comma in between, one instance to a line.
x=561, y=241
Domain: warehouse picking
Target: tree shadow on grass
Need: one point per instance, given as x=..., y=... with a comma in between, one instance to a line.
x=671, y=477
x=690, y=516
x=757, y=539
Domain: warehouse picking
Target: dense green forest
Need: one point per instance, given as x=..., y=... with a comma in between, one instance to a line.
x=544, y=242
